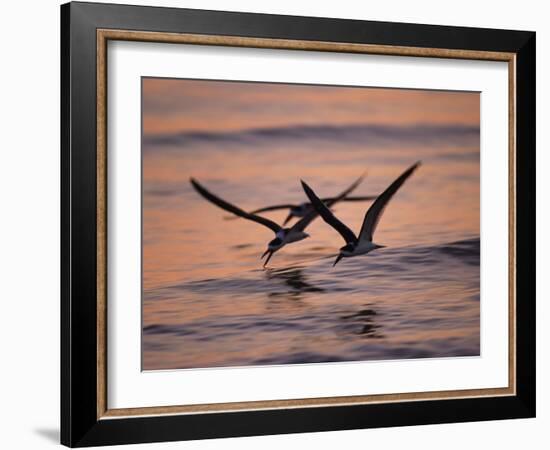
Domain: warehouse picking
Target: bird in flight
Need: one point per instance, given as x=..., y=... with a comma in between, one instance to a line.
x=302, y=209
x=283, y=235
x=363, y=244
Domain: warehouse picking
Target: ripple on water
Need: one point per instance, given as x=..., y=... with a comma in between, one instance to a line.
x=409, y=302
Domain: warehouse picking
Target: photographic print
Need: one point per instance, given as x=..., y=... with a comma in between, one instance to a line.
x=294, y=213
x=299, y=224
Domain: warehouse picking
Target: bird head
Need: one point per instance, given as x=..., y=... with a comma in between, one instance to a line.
x=275, y=244
x=346, y=250
x=272, y=247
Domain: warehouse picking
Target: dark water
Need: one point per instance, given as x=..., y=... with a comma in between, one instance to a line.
x=409, y=302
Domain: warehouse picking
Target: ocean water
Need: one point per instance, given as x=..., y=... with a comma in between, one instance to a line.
x=208, y=302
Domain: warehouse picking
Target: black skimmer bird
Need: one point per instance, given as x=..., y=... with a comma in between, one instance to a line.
x=302, y=209
x=283, y=235
x=363, y=244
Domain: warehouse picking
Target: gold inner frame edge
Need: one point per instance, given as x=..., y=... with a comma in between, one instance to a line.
x=103, y=36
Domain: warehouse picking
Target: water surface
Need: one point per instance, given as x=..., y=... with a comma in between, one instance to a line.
x=207, y=302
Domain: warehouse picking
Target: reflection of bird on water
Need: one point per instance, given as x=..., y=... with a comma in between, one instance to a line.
x=364, y=319
x=302, y=209
x=283, y=236
x=363, y=244
x=295, y=279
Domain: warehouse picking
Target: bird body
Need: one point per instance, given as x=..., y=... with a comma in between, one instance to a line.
x=362, y=248
x=290, y=235
x=300, y=210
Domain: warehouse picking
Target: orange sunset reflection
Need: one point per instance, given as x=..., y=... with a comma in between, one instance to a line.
x=207, y=302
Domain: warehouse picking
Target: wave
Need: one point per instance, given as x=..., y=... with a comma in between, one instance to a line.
x=425, y=134
x=467, y=250
x=400, y=303
x=300, y=278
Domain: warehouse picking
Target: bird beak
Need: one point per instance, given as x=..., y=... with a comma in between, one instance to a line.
x=268, y=257
x=290, y=216
x=338, y=258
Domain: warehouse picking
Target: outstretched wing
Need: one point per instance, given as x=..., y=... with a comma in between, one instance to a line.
x=232, y=208
x=352, y=199
x=327, y=215
x=372, y=217
x=294, y=205
x=273, y=208
x=309, y=217
x=266, y=208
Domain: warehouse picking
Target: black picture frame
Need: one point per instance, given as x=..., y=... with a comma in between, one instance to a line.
x=80, y=425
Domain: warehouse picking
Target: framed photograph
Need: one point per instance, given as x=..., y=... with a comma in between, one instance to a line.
x=276, y=224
